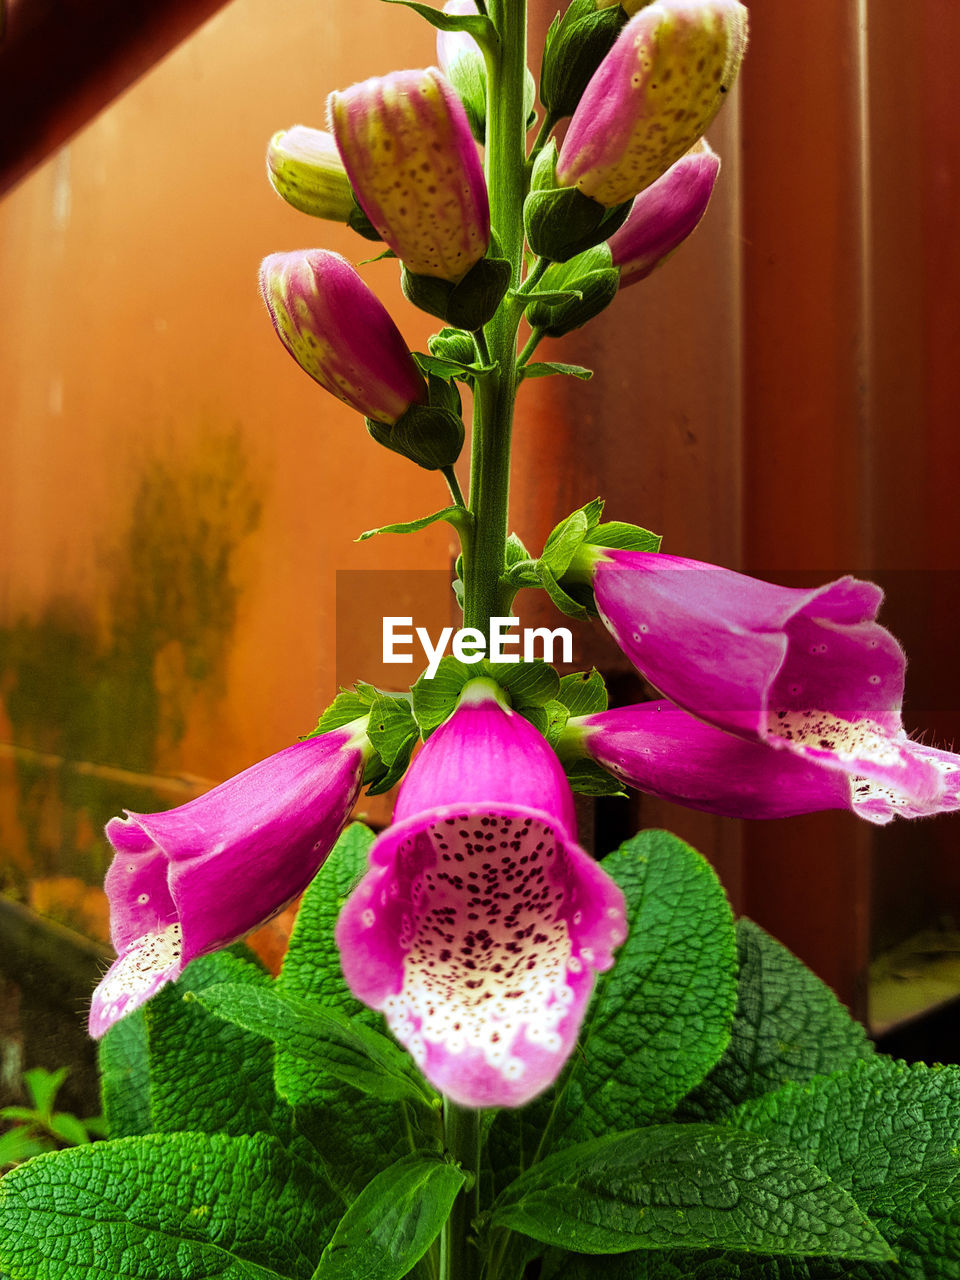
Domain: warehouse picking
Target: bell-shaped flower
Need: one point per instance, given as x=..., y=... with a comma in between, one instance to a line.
x=806, y=672
x=661, y=750
x=664, y=214
x=480, y=922
x=406, y=143
x=652, y=97
x=193, y=879
x=340, y=333
x=304, y=167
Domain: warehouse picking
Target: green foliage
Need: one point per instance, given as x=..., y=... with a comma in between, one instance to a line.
x=530, y=686
x=890, y=1134
x=393, y=1221
x=722, y=1118
x=700, y=1184
x=38, y=1127
x=178, y=1206
x=788, y=1026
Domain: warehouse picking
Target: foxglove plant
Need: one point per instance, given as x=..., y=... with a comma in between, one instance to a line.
x=488, y=1054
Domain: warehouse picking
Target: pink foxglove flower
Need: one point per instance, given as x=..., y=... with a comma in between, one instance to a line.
x=664, y=214
x=480, y=923
x=304, y=167
x=653, y=96
x=406, y=143
x=193, y=879
x=340, y=333
x=807, y=673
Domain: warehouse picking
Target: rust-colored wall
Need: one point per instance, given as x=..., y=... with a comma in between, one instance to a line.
x=178, y=497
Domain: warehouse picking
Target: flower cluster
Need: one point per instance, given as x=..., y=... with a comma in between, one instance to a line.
x=480, y=924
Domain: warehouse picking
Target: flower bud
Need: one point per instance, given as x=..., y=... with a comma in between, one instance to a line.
x=653, y=96
x=406, y=143
x=340, y=333
x=630, y=7
x=304, y=167
x=461, y=61
x=575, y=46
x=664, y=214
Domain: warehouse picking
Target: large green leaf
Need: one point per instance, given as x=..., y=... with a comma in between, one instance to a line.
x=206, y=1074
x=704, y=1185
x=315, y=1040
x=661, y=1016
x=125, y=1076
x=393, y=1221
x=355, y=1136
x=699, y=1264
x=311, y=968
x=788, y=1026
x=890, y=1134
x=180, y=1206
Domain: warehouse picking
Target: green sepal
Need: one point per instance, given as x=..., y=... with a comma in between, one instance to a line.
x=474, y=301
x=529, y=686
x=443, y=393
x=358, y=221
x=591, y=276
x=576, y=45
x=476, y=25
x=584, y=693
x=563, y=541
x=516, y=551
x=618, y=535
x=468, y=75
x=453, y=345
x=346, y=707
x=429, y=293
x=430, y=436
x=459, y=517
x=393, y=733
x=561, y=599
x=561, y=222
x=545, y=368
x=591, y=779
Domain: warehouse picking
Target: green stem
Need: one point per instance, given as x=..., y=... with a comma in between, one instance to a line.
x=453, y=484
x=459, y=1256
x=530, y=346
x=495, y=392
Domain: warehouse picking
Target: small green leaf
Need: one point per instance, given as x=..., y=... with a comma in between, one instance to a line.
x=393, y=734
x=544, y=368
x=561, y=599
x=457, y=516
x=890, y=1134
x=43, y=1086
x=321, y=1040
x=20, y=1144
x=68, y=1128
x=549, y=297
x=588, y=778
x=393, y=1221
x=346, y=707
x=184, y=1205
x=478, y=26
x=697, y=1184
x=559, y=548
x=788, y=1026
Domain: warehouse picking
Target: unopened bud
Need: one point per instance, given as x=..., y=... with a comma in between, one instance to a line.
x=304, y=167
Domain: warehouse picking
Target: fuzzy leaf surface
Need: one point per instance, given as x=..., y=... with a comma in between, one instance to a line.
x=788, y=1026
x=700, y=1185
x=179, y=1206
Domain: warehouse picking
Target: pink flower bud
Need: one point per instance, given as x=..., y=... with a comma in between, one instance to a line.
x=304, y=167
x=653, y=96
x=664, y=214
x=406, y=143
x=340, y=333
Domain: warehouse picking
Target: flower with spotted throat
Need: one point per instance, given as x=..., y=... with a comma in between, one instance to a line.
x=406, y=144
x=340, y=333
x=480, y=923
x=753, y=671
x=652, y=96
x=193, y=879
